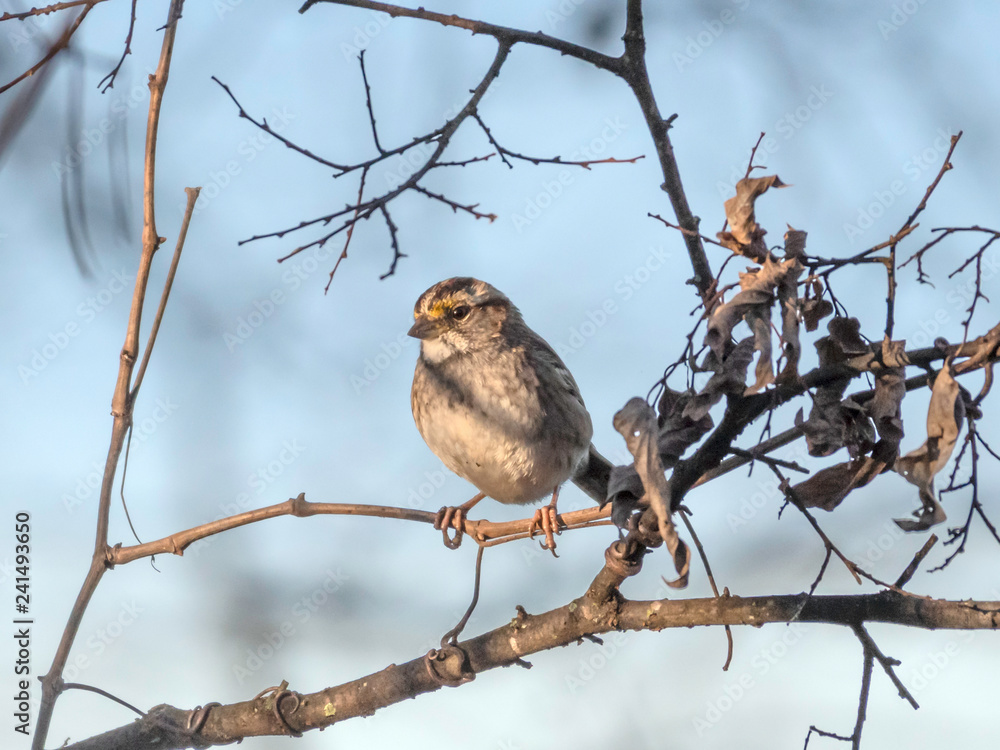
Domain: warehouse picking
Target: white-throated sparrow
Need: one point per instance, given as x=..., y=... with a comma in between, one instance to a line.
x=495, y=402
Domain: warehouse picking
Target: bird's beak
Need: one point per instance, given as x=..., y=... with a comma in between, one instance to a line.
x=425, y=328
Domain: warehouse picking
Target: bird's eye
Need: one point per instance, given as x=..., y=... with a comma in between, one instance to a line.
x=461, y=312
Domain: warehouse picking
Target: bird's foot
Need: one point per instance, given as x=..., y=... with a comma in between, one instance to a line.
x=449, y=517
x=454, y=517
x=547, y=521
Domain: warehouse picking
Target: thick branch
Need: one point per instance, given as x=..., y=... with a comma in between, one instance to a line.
x=595, y=613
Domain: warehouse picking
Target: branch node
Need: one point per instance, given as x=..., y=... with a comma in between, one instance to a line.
x=449, y=666
x=624, y=556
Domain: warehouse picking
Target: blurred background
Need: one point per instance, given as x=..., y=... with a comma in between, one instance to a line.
x=261, y=386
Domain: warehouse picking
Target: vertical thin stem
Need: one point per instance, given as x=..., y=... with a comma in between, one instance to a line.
x=637, y=76
x=121, y=402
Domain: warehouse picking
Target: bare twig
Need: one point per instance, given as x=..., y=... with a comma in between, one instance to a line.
x=503, y=34
x=59, y=45
x=122, y=402
x=887, y=663
x=907, y=574
x=350, y=230
x=363, y=210
x=368, y=103
x=192, y=198
x=394, y=241
x=104, y=693
x=110, y=77
x=684, y=513
x=792, y=495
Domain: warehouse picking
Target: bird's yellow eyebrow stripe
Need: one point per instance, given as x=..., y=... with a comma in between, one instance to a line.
x=439, y=308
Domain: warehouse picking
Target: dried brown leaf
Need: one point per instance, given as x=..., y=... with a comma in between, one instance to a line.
x=759, y=320
x=828, y=487
x=859, y=433
x=637, y=424
x=833, y=424
x=730, y=377
x=945, y=416
x=795, y=243
x=788, y=302
x=846, y=334
x=825, y=429
x=745, y=235
x=813, y=311
x=752, y=304
x=678, y=430
x=885, y=408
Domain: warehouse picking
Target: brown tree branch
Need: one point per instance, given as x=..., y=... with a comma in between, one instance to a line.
x=630, y=67
x=601, y=610
x=57, y=47
x=362, y=210
x=46, y=10
x=122, y=401
x=636, y=75
x=503, y=34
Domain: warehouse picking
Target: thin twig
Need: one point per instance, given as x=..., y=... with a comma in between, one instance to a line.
x=907, y=574
x=110, y=77
x=711, y=580
x=192, y=198
x=46, y=10
x=121, y=402
x=792, y=495
x=105, y=693
x=393, y=241
x=362, y=211
x=368, y=103
x=350, y=230
x=486, y=533
x=887, y=663
x=866, y=684
x=503, y=34
x=59, y=45
x=755, y=455
x=452, y=635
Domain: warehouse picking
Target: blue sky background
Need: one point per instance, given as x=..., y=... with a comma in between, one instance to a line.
x=857, y=99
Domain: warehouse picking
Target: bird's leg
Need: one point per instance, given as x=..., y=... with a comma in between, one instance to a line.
x=449, y=517
x=547, y=521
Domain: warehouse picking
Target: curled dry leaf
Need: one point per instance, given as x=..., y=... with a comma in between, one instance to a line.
x=845, y=335
x=730, y=377
x=828, y=487
x=795, y=243
x=637, y=424
x=679, y=429
x=788, y=302
x=832, y=424
x=752, y=303
x=885, y=408
x=945, y=416
x=759, y=320
x=859, y=433
x=745, y=235
x=813, y=308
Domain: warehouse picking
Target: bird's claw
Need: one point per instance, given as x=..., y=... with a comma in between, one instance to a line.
x=451, y=517
x=547, y=521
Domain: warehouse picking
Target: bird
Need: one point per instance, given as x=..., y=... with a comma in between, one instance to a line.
x=495, y=403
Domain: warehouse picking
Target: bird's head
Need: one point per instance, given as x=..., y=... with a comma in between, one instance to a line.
x=459, y=315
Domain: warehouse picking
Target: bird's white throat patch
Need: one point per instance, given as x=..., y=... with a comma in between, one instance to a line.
x=436, y=351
